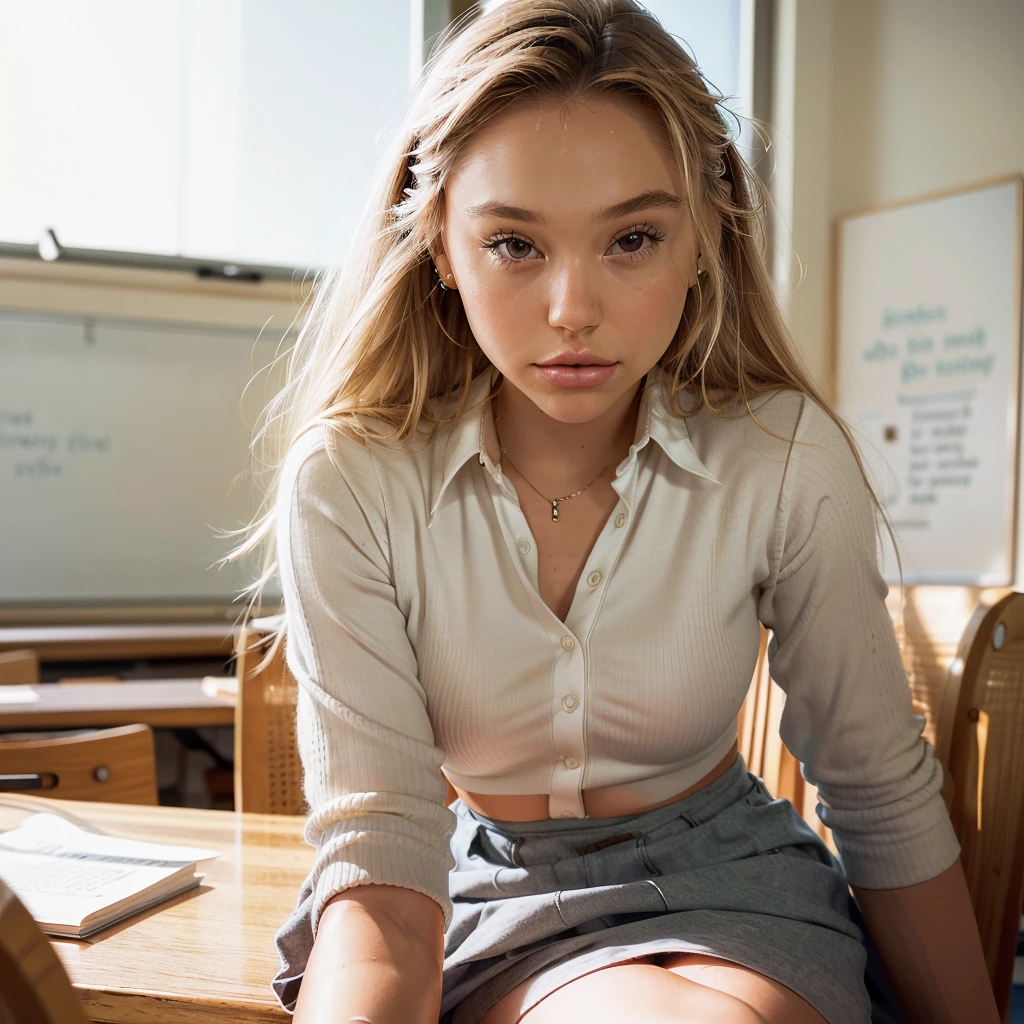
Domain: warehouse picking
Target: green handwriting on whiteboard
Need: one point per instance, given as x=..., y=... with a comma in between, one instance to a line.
x=913, y=316
x=971, y=339
x=957, y=353
x=881, y=350
x=912, y=370
x=965, y=364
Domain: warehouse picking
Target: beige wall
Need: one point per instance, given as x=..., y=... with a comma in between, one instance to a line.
x=881, y=100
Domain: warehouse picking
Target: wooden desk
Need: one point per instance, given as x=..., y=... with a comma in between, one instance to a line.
x=207, y=956
x=134, y=640
x=167, y=703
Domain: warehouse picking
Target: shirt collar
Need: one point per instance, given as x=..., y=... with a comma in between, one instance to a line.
x=655, y=420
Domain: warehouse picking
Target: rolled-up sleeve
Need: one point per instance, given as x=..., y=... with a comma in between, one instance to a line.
x=371, y=769
x=848, y=716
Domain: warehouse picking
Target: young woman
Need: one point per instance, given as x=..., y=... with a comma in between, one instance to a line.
x=551, y=459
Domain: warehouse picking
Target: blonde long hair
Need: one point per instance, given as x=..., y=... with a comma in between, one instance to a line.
x=380, y=339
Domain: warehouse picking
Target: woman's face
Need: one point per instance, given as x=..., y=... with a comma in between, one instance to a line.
x=567, y=227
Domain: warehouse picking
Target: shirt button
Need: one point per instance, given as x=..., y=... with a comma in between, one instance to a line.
x=568, y=643
x=524, y=545
x=571, y=762
x=570, y=702
x=620, y=520
x=595, y=577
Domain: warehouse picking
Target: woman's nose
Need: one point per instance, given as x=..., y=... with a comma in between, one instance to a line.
x=574, y=302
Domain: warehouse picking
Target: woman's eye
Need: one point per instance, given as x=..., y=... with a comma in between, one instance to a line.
x=632, y=243
x=638, y=243
x=514, y=249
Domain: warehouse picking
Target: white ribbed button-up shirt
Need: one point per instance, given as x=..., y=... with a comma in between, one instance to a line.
x=419, y=638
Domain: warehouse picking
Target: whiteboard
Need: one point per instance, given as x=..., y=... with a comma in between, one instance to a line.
x=928, y=338
x=123, y=447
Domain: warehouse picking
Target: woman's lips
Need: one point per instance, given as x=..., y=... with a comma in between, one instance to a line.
x=563, y=376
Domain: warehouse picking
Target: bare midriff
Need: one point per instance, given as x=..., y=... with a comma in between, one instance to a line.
x=604, y=802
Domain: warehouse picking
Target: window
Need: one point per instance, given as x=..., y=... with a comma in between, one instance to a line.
x=239, y=130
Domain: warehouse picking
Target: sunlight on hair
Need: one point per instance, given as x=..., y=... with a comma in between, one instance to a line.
x=383, y=348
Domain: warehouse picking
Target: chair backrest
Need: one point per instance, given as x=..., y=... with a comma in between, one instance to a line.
x=986, y=764
x=763, y=750
x=930, y=622
x=113, y=765
x=19, y=667
x=268, y=772
x=33, y=986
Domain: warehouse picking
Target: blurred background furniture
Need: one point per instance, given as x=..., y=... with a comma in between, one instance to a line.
x=268, y=773
x=19, y=667
x=164, y=703
x=96, y=642
x=34, y=989
x=112, y=765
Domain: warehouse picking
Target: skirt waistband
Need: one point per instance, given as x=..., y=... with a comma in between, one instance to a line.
x=696, y=807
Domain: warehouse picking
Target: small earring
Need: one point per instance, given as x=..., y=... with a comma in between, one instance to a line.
x=440, y=280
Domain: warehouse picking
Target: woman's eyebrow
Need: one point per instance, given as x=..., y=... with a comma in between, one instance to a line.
x=651, y=199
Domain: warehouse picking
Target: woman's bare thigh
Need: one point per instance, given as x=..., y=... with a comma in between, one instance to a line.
x=770, y=998
x=674, y=988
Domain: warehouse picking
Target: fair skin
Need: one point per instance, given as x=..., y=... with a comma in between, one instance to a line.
x=586, y=275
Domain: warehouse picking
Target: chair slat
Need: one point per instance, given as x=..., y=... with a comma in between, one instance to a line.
x=111, y=765
x=268, y=771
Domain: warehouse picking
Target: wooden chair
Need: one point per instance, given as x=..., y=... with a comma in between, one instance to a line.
x=18, y=668
x=986, y=764
x=268, y=773
x=763, y=750
x=34, y=988
x=112, y=765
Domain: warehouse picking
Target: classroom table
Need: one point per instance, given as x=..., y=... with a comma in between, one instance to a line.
x=162, y=704
x=131, y=640
x=206, y=956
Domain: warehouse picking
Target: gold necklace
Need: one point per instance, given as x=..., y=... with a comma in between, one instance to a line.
x=553, y=501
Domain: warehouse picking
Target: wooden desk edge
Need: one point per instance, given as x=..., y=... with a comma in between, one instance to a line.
x=158, y=718
x=137, y=1007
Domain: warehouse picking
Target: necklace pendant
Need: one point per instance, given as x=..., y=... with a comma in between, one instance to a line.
x=554, y=510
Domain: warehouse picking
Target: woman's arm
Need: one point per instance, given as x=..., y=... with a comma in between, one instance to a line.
x=371, y=770
x=377, y=957
x=928, y=940
x=850, y=721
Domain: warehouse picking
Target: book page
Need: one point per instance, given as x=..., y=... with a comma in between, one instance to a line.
x=72, y=880
x=49, y=833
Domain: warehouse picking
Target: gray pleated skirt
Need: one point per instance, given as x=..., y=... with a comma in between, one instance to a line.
x=727, y=872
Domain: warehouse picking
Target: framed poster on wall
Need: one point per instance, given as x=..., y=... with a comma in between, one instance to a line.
x=927, y=355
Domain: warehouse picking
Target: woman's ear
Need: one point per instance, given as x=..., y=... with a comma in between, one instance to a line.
x=444, y=267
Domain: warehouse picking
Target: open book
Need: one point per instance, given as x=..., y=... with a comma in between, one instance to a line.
x=75, y=882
